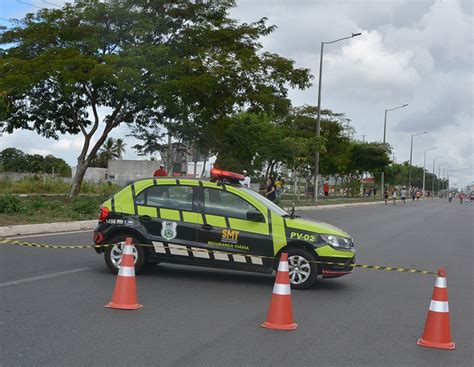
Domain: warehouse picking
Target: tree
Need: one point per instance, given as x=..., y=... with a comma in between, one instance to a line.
x=112, y=149
x=363, y=158
x=14, y=160
x=142, y=61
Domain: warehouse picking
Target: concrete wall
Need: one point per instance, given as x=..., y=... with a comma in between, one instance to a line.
x=17, y=176
x=93, y=174
x=129, y=170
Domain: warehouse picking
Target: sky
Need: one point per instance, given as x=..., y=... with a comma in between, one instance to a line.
x=415, y=52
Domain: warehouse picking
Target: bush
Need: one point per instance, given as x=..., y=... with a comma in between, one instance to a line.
x=9, y=204
x=85, y=205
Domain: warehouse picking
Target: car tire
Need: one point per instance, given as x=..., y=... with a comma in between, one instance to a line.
x=112, y=253
x=303, y=269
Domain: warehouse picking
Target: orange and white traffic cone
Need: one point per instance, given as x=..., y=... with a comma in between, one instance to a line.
x=280, y=314
x=437, y=333
x=125, y=291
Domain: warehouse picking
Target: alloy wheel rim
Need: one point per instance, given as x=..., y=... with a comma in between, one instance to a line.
x=116, y=254
x=299, y=269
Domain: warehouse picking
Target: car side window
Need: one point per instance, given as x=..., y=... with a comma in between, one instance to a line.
x=223, y=203
x=167, y=196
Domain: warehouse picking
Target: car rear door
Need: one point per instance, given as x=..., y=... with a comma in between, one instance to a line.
x=170, y=216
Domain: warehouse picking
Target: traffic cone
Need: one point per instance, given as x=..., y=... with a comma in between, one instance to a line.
x=125, y=291
x=280, y=314
x=437, y=333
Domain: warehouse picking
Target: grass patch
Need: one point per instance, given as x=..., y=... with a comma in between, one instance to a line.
x=43, y=185
x=47, y=209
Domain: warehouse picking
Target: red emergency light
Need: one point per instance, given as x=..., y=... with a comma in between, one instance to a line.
x=226, y=175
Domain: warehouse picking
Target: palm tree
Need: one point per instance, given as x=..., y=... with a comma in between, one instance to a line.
x=119, y=148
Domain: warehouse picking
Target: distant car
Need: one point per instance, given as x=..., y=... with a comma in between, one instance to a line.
x=219, y=224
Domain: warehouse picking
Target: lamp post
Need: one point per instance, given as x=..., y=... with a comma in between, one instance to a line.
x=411, y=154
x=318, y=120
x=439, y=172
x=424, y=169
x=385, y=134
x=432, y=181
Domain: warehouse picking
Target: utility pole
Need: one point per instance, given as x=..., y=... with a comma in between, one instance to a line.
x=318, y=120
x=424, y=169
x=384, y=137
x=433, y=178
x=411, y=154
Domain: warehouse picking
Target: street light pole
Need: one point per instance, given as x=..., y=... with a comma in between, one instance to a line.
x=411, y=154
x=439, y=173
x=433, y=178
x=318, y=120
x=384, y=137
x=424, y=169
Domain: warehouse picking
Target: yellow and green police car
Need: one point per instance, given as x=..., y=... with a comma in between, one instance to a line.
x=221, y=224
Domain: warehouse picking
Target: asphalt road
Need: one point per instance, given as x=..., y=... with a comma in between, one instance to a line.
x=52, y=314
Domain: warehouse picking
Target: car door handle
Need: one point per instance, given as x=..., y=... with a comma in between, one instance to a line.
x=145, y=217
x=207, y=227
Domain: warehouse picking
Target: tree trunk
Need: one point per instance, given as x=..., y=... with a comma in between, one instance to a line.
x=77, y=180
x=204, y=166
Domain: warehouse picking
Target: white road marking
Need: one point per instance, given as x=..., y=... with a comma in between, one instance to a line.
x=49, y=234
x=41, y=277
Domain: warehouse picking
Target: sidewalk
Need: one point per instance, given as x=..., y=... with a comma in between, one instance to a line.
x=31, y=229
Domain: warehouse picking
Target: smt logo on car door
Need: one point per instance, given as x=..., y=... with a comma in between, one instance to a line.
x=228, y=228
x=166, y=211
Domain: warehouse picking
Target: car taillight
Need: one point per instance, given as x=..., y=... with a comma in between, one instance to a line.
x=103, y=214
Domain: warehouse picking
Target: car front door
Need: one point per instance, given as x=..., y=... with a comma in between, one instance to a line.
x=227, y=228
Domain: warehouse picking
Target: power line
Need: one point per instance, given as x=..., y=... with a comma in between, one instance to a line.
x=25, y=3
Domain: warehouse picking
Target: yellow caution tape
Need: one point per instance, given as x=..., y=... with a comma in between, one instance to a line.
x=362, y=266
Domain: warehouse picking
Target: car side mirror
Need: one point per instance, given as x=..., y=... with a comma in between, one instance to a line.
x=255, y=216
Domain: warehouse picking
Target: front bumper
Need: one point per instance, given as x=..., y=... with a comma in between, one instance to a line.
x=336, y=267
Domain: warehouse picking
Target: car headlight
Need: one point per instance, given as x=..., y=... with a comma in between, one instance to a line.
x=337, y=241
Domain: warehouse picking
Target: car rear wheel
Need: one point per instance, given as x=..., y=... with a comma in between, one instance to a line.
x=303, y=270
x=113, y=254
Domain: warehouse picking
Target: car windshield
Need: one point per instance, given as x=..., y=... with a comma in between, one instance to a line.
x=270, y=205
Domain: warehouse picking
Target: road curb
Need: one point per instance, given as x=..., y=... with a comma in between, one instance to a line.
x=334, y=206
x=26, y=229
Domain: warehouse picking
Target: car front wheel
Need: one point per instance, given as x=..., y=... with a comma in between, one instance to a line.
x=113, y=254
x=302, y=268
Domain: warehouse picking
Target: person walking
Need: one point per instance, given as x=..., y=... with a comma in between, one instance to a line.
x=271, y=189
x=326, y=190
x=450, y=197
x=374, y=191
x=461, y=197
x=278, y=187
x=160, y=171
x=403, y=195
x=413, y=193
x=246, y=181
x=385, y=196
x=394, y=196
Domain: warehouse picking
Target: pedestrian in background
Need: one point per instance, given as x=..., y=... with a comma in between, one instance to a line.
x=246, y=181
x=450, y=197
x=263, y=186
x=271, y=189
x=160, y=171
x=375, y=191
x=394, y=196
x=326, y=190
x=385, y=196
x=461, y=197
x=278, y=187
x=413, y=193
x=403, y=195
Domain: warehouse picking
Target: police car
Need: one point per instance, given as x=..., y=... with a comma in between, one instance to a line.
x=218, y=223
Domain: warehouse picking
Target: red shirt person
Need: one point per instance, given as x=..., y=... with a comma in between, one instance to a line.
x=160, y=171
x=326, y=189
